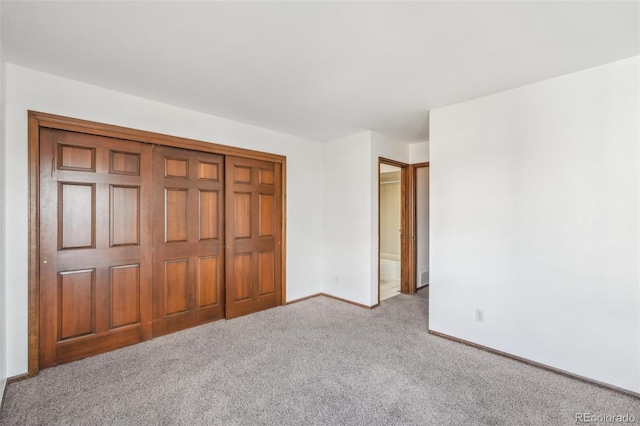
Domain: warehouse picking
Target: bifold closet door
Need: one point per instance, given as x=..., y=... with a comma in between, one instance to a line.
x=188, y=234
x=95, y=239
x=253, y=212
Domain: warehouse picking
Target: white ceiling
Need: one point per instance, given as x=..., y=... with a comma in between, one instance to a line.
x=320, y=70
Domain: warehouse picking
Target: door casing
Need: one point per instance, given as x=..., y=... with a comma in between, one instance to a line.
x=407, y=286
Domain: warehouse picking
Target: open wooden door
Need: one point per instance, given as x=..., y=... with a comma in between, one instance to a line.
x=188, y=231
x=253, y=235
x=95, y=266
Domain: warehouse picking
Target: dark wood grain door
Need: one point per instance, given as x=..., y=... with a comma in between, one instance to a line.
x=253, y=235
x=95, y=239
x=188, y=275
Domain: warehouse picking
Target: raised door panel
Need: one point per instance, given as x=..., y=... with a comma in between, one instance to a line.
x=94, y=207
x=242, y=174
x=266, y=265
x=76, y=215
x=267, y=214
x=176, y=288
x=125, y=215
x=242, y=276
x=77, y=303
x=76, y=157
x=253, y=235
x=208, y=284
x=242, y=217
x=125, y=163
x=209, y=219
x=266, y=176
x=176, y=167
x=188, y=248
x=125, y=295
x=209, y=171
x=176, y=214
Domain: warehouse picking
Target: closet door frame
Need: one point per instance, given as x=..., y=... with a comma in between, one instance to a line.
x=38, y=120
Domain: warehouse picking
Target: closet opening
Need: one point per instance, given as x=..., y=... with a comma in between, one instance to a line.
x=135, y=234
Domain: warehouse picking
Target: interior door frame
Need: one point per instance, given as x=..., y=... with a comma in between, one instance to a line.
x=37, y=120
x=407, y=282
x=413, y=179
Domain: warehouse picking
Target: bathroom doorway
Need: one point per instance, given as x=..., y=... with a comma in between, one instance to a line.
x=393, y=245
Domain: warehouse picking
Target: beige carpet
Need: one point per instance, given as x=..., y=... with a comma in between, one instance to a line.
x=317, y=362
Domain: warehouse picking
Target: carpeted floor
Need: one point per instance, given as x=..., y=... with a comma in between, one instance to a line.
x=316, y=362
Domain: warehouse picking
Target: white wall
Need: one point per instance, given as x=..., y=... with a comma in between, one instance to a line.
x=535, y=219
x=390, y=214
x=347, y=218
x=29, y=89
x=3, y=181
x=419, y=152
x=351, y=213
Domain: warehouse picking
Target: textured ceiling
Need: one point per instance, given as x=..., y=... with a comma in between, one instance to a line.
x=320, y=70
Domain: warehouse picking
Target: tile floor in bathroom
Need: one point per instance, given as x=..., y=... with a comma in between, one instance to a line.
x=389, y=288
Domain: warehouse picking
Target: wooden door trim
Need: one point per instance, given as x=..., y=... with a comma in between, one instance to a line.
x=37, y=120
x=34, y=247
x=113, y=131
x=406, y=258
x=414, y=221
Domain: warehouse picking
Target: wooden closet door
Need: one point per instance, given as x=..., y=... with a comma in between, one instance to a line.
x=188, y=277
x=95, y=261
x=253, y=235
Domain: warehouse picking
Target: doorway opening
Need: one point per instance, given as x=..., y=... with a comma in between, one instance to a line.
x=393, y=250
x=390, y=253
